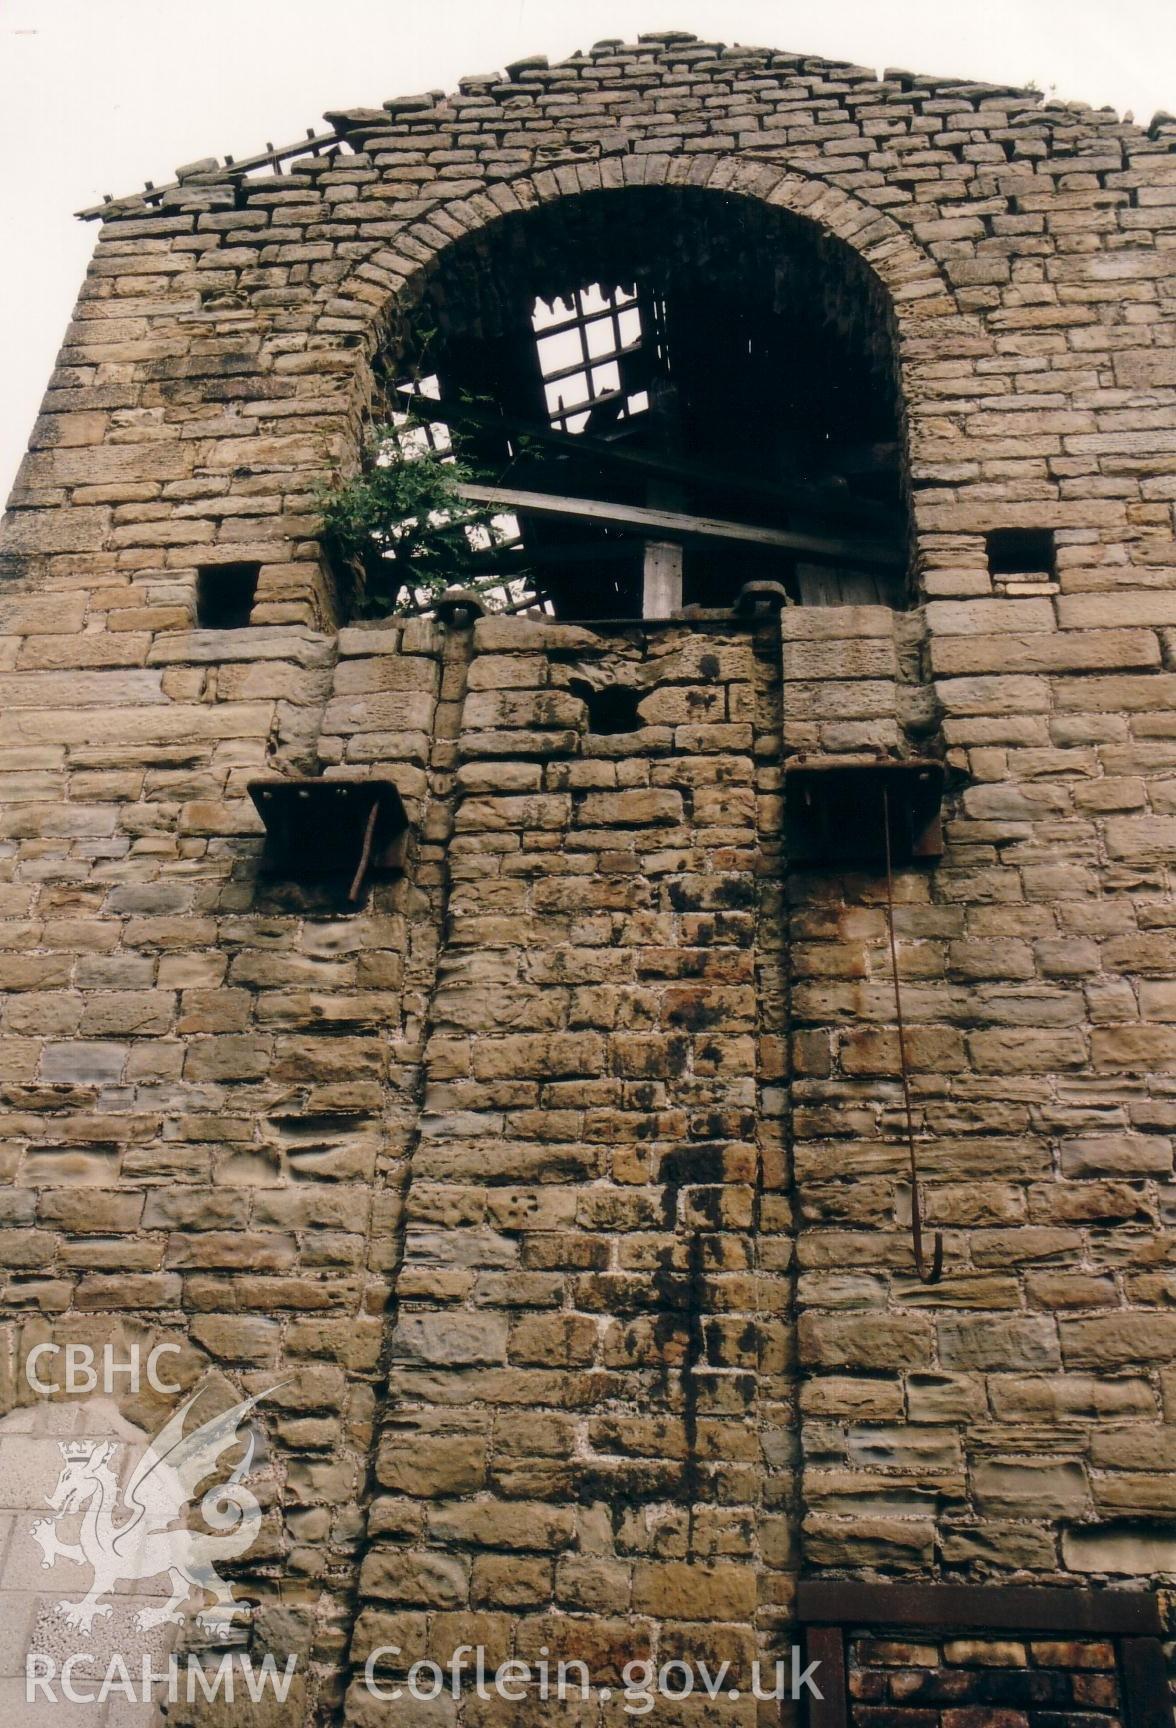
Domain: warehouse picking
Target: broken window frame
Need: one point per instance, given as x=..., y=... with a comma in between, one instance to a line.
x=617, y=304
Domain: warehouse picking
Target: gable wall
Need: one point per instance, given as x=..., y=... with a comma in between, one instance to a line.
x=566, y=1179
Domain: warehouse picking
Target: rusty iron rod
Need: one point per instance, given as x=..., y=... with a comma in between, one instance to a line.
x=365, y=856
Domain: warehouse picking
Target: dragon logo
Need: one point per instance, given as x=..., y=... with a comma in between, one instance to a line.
x=145, y=1536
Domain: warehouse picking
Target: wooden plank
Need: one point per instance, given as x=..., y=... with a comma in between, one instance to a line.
x=980, y=1607
x=1147, y=1699
x=832, y=587
x=676, y=525
x=664, y=561
x=661, y=591
x=818, y=500
x=826, y=1645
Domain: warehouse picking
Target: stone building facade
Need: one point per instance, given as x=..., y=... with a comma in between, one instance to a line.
x=560, y=1188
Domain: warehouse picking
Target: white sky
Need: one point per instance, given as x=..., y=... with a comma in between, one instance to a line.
x=99, y=95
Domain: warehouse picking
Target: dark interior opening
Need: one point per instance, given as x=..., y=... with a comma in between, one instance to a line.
x=224, y=595
x=1021, y=552
x=673, y=350
x=613, y=709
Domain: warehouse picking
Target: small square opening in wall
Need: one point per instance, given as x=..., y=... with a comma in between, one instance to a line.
x=611, y=710
x=224, y=595
x=1021, y=552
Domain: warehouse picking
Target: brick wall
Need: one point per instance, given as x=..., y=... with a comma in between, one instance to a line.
x=938, y=1682
x=563, y=1184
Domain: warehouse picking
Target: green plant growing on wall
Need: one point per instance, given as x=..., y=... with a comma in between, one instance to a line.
x=402, y=526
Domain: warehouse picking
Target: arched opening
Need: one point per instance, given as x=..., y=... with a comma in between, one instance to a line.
x=670, y=392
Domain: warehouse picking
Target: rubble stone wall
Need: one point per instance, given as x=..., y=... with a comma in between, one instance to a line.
x=562, y=1186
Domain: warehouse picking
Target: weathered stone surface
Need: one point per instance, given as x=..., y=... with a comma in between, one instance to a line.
x=445, y=1338
x=556, y=1193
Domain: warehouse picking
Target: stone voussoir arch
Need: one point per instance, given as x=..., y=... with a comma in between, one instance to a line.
x=914, y=284
x=921, y=308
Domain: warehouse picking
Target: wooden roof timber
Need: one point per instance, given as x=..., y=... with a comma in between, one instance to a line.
x=313, y=144
x=813, y=500
x=676, y=525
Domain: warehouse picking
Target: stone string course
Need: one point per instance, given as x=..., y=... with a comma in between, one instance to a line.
x=562, y=1187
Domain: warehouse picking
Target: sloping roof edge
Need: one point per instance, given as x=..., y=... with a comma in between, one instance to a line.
x=350, y=127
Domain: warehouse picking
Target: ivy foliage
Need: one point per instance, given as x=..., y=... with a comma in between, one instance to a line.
x=401, y=525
